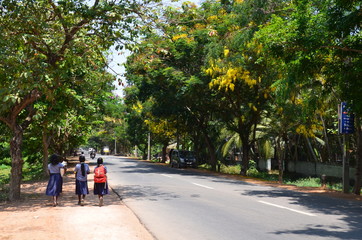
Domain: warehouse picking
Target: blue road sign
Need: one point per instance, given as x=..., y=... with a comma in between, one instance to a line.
x=346, y=119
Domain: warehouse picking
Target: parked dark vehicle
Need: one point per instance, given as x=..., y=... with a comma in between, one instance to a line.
x=182, y=158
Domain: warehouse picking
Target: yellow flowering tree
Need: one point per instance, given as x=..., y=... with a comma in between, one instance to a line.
x=240, y=70
x=163, y=131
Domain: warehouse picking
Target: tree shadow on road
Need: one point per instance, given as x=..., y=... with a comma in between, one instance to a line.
x=349, y=212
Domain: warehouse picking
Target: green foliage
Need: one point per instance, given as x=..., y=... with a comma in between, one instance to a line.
x=305, y=182
x=232, y=169
x=335, y=186
x=4, y=181
x=265, y=176
x=167, y=80
x=53, y=69
x=252, y=171
x=32, y=171
x=226, y=169
x=4, y=153
x=232, y=143
x=5, y=174
x=32, y=168
x=269, y=71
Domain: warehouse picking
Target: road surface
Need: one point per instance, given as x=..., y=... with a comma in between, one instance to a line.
x=178, y=204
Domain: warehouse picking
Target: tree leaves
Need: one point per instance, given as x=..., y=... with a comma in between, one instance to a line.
x=57, y=50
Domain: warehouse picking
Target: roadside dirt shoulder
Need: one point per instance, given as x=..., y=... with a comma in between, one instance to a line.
x=311, y=190
x=34, y=217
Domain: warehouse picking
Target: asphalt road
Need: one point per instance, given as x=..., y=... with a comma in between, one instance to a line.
x=177, y=204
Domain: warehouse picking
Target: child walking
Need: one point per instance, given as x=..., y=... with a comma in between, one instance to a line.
x=100, y=180
x=55, y=183
x=81, y=184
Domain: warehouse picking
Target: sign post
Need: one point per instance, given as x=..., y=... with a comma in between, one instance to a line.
x=345, y=126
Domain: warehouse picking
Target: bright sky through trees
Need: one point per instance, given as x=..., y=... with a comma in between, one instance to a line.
x=118, y=58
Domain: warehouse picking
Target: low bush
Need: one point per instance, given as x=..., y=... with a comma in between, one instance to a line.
x=291, y=179
x=305, y=182
x=4, y=174
x=232, y=169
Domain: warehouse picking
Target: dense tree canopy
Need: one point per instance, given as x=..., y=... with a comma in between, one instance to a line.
x=248, y=77
x=55, y=51
x=270, y=71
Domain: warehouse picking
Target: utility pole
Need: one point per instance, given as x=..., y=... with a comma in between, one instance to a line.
x=149, y=147
x=345, y=127
x=115, y=146
x=345, y=162
x=136, y=151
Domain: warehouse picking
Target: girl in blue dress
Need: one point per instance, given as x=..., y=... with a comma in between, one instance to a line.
x=100, y=188
x=55, y=183
x=81, y=184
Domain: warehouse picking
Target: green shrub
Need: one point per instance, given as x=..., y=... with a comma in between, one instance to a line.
x=231, y=169
x=205, y=166
x=4, y=167
x=32, y=171
x=264, y=175
x=5, y=161
x=305, y=182
x=4, y=192
x=252, y=172
x=293, y=179
x=4, y=180
x=4, y=174
x=335, y=186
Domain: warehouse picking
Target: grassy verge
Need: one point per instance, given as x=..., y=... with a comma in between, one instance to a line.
x=4, y=180
x=31, y=172
x=315, y=182
x=273, y=176
x=4, y=174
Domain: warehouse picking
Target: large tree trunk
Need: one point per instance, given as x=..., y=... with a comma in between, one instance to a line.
x=212, y=153
x=164, y=149
x=17, y=140
x=245, y=158
x=281, y=158
x=358, y=176
x=16, y=163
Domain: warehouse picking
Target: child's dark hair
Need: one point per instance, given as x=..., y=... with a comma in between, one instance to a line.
x=82, y=167
x=54, y=159
x=99, y=161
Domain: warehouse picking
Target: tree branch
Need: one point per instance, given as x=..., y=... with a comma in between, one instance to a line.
x=29, y=99
x=6, y=121
x=69, y=35
x=343, y=49
x=29, y=118
x=59, y=15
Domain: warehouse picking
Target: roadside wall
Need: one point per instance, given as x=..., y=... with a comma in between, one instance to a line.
x=310, y=168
